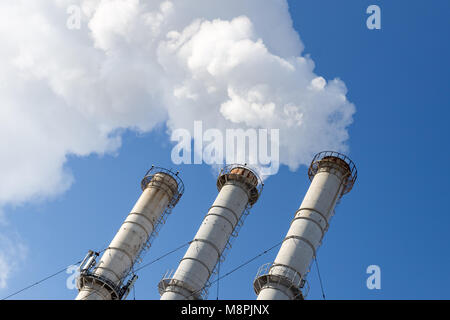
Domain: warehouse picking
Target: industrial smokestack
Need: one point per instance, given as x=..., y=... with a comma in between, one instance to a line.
x=332, y=175
x=239, y=188
x=106, y=280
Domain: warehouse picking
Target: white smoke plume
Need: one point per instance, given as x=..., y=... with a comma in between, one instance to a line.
x=135, y=64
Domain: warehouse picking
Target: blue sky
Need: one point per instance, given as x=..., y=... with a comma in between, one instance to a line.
x=395, y=217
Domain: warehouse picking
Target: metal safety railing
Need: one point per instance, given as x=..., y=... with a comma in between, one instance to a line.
x=333, y=159
x=177, y=193
x=170, y=284
x=171, y=175
x=244, y=174
x=87, y=275
x=271, y=274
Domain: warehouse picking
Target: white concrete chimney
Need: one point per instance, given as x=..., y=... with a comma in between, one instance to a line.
x=239, y=188
x=104, y=280
x=332, y=174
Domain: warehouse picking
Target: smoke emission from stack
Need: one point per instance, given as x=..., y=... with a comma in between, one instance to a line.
x=136, y=64
x=139, y=64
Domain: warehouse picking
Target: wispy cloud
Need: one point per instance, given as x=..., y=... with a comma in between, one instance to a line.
x=13, y=253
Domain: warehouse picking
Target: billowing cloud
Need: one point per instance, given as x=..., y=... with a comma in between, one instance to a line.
x=135, y=64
